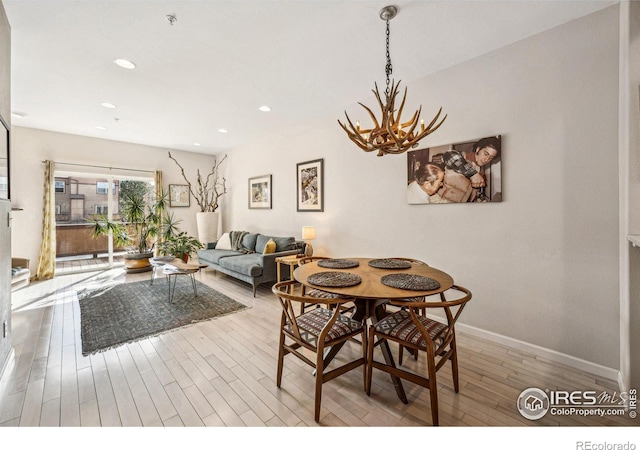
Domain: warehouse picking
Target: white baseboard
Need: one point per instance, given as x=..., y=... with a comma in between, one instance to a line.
x=621, y=383
x=552, y=355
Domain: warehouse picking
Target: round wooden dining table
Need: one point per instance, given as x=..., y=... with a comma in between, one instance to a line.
x=371, y=293
x=371, y=286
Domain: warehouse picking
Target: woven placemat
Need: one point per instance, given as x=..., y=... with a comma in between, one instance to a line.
x=334, y=279
x=410, y=282
x=389, y=263
x=338, y=263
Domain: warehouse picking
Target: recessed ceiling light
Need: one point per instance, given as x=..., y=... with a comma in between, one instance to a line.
x=19, y=115
x=100, y=128
x=222, y=130
x=125, y=63
x=197, y=144
x=264, y=108
x=108, y=105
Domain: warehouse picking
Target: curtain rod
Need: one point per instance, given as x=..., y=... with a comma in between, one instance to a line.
x=101, y=167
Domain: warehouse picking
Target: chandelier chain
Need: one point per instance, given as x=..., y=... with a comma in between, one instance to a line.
x=388, y=68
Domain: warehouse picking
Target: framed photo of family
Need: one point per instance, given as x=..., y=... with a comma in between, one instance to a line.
x=464, y=172
x=179, y=195
x=310, y=185
x=260, y=192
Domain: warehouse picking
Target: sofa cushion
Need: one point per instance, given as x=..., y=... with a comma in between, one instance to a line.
x=269, y=247
x=249, y=241
x=215, y=255
x=261, y=241
x=282, y=243
x=224, y=243
x=285, y=243
x=19, y=271
x=249, y=264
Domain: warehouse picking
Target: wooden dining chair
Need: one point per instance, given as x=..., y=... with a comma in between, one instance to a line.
x=422, y=311
x=316, y=331
x=410, y=329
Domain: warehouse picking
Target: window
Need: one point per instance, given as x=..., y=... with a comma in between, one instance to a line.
x=60, y=186
x=4, y=184
x=102, y=186
x=101, y=209
x=58, y=209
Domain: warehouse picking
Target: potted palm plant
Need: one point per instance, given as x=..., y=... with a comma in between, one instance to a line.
x=144, y=221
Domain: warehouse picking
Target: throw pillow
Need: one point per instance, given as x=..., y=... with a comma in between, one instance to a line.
x=249, y=241
x=270, y=247
x=224, y=243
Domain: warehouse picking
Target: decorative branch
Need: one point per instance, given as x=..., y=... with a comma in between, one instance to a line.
x=206, y=195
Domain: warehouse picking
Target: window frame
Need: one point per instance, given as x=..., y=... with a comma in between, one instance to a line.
x=64, y=186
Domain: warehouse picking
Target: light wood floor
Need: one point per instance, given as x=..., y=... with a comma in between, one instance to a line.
x=222, y=373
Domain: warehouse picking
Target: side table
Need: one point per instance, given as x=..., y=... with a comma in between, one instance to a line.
x=289, y=260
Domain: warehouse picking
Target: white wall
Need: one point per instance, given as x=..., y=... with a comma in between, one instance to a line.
x=632, y=307
x=543, y=264
x=31, y=147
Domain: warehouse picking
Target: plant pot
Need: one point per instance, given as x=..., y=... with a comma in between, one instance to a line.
x=207, y=226
x=138, y=262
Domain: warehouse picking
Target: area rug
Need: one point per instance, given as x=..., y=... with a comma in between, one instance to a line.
x=119, y=313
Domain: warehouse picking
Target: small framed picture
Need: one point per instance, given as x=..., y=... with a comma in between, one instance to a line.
x=260, y=192
x=179, y=195
x=310, y=185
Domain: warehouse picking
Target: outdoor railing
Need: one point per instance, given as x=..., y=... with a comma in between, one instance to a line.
x=76, y=239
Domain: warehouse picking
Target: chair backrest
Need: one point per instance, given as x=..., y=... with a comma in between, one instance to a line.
x=285, y=291
x=288, y=299
x=452, y=309
x=308, y=259
x=20, y=262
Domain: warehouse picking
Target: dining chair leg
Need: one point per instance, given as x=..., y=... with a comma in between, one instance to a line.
x=280, y=359
x=319, y=381
x=454, y=364
x=365, y=348
x=433, y=388
x=369, y=360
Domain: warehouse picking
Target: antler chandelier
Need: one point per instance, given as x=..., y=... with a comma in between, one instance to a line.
x=390, y=134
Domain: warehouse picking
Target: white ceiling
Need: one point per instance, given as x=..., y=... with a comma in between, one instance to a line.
x=221, y=60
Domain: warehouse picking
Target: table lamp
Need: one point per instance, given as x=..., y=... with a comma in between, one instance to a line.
x=308, y=233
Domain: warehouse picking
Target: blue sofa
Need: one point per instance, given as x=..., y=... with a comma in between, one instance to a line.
x=246, y=260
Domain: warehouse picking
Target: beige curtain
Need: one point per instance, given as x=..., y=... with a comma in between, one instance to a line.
x=47, y=259
x=157, y=178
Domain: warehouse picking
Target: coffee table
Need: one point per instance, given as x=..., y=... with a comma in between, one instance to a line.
x=173, y=269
